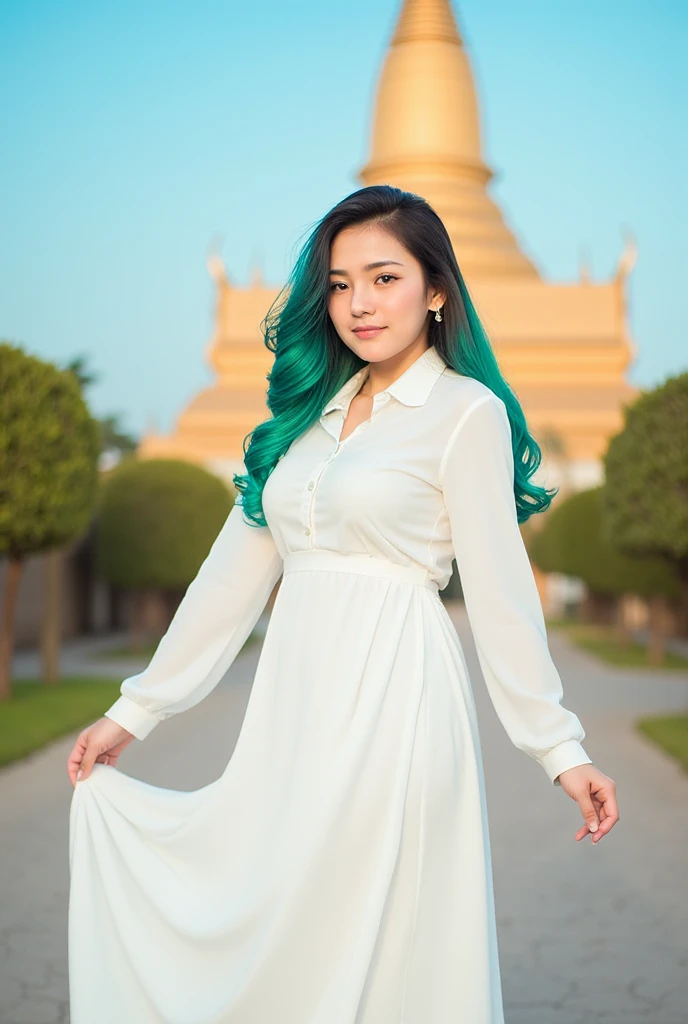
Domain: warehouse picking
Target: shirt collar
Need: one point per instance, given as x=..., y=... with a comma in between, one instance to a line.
x=411, y=388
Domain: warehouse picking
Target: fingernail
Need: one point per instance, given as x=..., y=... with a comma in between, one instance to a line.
x=593, y=826
x=79, y=775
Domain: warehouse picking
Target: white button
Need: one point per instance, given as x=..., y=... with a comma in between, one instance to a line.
x=307, y=532
x=310, y=485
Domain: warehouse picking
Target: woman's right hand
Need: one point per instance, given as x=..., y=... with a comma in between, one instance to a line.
x=103, y=741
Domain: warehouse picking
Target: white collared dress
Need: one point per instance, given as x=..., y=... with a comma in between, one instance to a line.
x=338, y=872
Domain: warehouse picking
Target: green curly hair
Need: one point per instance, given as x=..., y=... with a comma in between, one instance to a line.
x=312, y=363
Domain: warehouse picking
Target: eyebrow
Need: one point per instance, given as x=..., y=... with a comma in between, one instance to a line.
x=371, y=266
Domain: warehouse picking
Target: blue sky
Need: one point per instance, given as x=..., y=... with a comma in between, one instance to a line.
x=133, y=134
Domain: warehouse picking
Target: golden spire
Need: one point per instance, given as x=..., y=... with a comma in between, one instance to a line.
x=426, y=138
x=426, y=19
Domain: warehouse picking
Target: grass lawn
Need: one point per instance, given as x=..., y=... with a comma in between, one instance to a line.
x=38, y=713
x=670, y=732
x=603, y=642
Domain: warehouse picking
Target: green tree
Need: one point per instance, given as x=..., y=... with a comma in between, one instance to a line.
x=49, y=447
x=539, y=539
x=646, y=471
x=113, y=436
x=574, y=541
x=81, y=370
x=158, y=519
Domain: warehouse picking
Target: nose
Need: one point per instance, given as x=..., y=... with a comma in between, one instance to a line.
x=362, y=303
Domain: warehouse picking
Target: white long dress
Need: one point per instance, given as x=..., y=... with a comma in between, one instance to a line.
x=338, y=872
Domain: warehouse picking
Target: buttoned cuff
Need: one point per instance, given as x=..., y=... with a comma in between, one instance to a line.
x=568, y=754
x=132, y=717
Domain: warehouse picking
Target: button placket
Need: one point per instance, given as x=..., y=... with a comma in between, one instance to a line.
x=312, y=487
x=379, y=401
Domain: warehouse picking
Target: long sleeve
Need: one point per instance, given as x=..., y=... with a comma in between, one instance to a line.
x=502, y=601
x=215, y=617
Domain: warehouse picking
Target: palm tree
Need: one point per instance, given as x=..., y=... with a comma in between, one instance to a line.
x=114, y=439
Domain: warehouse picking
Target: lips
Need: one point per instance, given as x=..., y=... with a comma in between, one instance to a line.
x=368, y=329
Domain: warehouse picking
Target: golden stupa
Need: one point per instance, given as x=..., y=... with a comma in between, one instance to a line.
x=564, y=347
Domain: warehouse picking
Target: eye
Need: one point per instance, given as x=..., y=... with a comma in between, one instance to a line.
x=336, y=286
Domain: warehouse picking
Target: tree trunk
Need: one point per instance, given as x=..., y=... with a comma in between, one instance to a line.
x=587, y=607
x=599, y=609
x=683, y=576
x=136, y=621
x=659, y=615
x=51, y=627
x=7, y=618
x=608, y=609
x=154, y=614
x=623, y=631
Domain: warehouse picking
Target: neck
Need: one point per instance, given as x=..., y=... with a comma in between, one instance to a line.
x=382, y=374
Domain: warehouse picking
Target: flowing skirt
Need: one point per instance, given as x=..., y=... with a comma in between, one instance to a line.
x=339, y=871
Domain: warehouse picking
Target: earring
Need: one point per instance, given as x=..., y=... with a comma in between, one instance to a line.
x=438, y=316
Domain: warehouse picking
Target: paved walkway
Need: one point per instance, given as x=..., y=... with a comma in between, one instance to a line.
x=85, y=657
x=588, y=934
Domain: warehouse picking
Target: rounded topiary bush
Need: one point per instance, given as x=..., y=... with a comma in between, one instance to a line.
x=158, y=520
x=575, y=542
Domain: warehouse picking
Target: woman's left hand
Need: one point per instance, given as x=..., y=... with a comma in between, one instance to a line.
x=595, y=794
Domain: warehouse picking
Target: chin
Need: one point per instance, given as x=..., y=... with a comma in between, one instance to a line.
x=375, y=350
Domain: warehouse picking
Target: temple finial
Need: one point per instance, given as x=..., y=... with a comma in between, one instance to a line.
x=215, y=263
x=629, y=254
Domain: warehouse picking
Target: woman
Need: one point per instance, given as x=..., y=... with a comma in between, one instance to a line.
x=339, y=871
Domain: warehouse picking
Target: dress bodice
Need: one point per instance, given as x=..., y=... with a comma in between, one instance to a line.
x=379, y=491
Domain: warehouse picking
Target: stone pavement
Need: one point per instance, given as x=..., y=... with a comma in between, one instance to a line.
x=587, y=933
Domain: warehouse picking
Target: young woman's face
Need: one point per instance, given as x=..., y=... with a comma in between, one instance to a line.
x=390, y=295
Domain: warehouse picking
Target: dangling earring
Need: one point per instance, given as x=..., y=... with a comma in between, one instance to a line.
x=437, y=314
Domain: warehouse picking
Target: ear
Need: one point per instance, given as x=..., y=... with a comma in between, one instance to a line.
x=438, y=299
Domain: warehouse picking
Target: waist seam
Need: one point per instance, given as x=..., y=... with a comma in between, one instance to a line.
x=322, y=559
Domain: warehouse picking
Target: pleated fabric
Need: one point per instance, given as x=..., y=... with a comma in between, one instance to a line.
x=339, y=870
